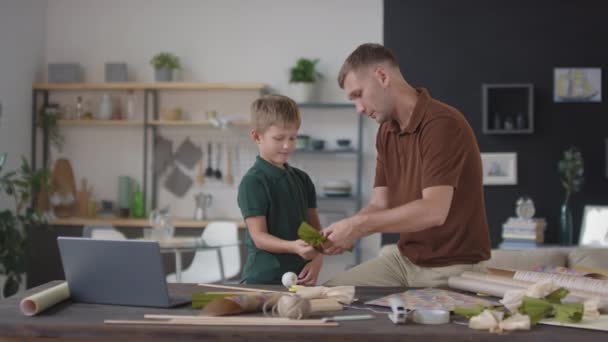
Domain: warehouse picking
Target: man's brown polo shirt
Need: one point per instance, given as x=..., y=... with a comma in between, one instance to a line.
x=438, y=147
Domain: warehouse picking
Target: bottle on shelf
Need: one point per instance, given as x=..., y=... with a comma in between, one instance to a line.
x=130, y=110
x=497, y=124
x=520, y=122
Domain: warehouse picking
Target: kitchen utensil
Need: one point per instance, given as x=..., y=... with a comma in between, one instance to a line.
x=229, y=178
x=200, y=174
x=63, y=198
x=202, y=203
x=209, y=171
x=218, y=156
x=82, y=198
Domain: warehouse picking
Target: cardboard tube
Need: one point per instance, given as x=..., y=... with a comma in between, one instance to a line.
x=43, y=300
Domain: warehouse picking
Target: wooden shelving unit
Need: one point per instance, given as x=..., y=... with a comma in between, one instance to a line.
x=151, y=86
x=126, y=222
x=100, y=123
x=151, y=122
x=186, y=123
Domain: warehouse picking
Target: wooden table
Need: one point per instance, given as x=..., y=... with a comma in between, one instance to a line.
x=70, y=321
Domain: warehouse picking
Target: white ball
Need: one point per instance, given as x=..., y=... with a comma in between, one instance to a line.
x=289, y=279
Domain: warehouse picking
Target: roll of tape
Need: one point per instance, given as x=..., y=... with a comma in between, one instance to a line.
x=431, y=316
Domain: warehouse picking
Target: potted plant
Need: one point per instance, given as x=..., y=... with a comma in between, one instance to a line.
x=571, y=171
x=164, y=63
x=303, y=76
x=22, y=186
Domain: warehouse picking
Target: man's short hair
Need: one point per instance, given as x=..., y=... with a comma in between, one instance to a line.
x=364, y=55
x=275, y=110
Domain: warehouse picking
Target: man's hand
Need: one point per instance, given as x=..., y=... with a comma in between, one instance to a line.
x=310, y=273
x=301, y=248
x=341, y=236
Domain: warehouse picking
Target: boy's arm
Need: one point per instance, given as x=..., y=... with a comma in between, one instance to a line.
x=310, y=273
x=263, y=240
x=313, y=218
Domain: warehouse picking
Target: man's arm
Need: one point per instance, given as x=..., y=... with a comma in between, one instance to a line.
x=378, y=202
x=263, y=240
x=430, y=211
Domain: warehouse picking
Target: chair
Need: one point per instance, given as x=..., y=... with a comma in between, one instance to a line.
x=205, y=266
x=102, y=232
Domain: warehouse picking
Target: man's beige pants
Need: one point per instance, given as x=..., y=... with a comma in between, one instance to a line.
x=390, y=268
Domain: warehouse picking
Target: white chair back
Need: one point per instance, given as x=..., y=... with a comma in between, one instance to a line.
x=102, y=232
x=205, y=266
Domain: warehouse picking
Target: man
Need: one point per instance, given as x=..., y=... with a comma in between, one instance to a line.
x=428, y=183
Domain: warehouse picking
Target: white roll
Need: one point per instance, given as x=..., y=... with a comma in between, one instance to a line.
x=43, y=300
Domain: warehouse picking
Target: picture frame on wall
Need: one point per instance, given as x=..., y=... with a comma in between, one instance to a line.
x=577, y=85
x=499, y=168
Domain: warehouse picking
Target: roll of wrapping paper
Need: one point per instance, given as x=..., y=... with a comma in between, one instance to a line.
x=43, y=300
x=497, y=286
x=575, y=293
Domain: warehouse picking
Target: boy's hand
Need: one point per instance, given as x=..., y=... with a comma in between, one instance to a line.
x=310, y=273
x=306, y=251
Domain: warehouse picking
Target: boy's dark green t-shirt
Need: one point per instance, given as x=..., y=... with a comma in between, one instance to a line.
x=283, y=196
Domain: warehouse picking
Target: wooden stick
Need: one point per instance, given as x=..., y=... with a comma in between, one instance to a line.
x=215, y=318
x=238, y=288
x=290, y=322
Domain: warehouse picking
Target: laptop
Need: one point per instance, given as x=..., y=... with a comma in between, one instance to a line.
x=120, y=272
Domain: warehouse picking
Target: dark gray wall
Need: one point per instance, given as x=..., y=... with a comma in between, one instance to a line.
x=452, y=47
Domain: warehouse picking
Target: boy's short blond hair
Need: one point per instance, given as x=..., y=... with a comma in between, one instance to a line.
x=275, y=110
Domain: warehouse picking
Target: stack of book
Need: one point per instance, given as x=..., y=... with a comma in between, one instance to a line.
x=523, y=233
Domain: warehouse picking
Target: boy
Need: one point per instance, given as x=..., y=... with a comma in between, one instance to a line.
x=275, y=198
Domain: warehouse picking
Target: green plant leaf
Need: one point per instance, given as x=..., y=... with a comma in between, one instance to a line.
x=535, y=308
x=311, y=235
x=556, y=296
x=569, y=312
x=469, y=311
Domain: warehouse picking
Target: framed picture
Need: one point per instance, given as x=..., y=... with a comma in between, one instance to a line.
x=594, y=230
x=499, y=168
x=577, y=85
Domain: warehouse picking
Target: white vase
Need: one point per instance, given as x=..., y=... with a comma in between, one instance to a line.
x=105, y=108
x=303, y=92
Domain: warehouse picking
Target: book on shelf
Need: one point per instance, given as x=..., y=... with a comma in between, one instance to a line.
x=521, y=223
x=519, y=244
x=524, y=237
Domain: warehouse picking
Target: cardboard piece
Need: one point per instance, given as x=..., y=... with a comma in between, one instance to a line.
x=188, y=154
x=178, y=182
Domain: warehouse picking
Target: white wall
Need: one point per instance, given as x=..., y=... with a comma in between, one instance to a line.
x=22, y=25
x=221, y=40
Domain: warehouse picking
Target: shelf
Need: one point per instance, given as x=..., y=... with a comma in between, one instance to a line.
x=332, y=151
x=350, y=198
x=509, y=131
x=188, y=123
x=100, y=123
x=325, y=105
x=151, y=86
x=507, y=108
x=129, y=222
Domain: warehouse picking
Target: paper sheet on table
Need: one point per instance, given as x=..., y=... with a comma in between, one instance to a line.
x=598, y=324
x=43, y=300
x=431, y=298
